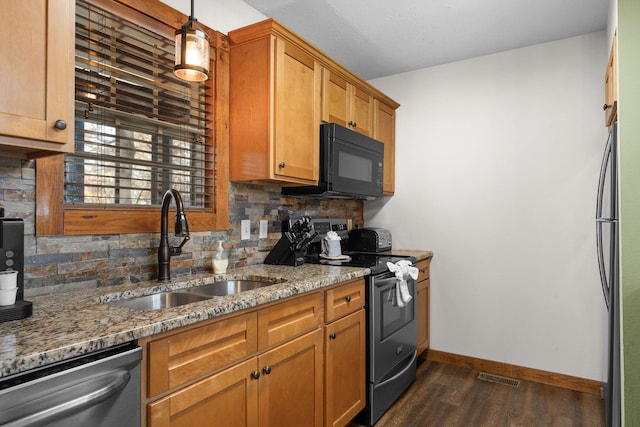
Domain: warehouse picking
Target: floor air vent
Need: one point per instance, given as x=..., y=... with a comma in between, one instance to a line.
x=499, y=379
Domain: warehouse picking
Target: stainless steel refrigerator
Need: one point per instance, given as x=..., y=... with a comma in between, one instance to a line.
x=607, y=234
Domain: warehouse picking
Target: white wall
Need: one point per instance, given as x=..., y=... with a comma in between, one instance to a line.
x=497, y=163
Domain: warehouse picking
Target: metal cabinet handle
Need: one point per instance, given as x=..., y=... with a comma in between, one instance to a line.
x=60, y=124
x=348, y=298
x=605, y=106
x=281, y=165
x=266, y=370
x=332, y=335
x=255, y=375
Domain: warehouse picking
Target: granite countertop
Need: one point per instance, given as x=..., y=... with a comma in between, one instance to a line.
x=71, y=324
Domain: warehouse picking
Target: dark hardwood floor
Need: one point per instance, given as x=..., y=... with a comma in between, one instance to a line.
x=451, y=396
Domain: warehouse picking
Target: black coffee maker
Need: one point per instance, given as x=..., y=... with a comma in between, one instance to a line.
x=12, y=258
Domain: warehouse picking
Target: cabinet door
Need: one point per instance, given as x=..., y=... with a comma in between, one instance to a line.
x=228, y=398
x=361, y=111
x=611, y=86
x=36, y=73
x=422, y=302
x=335, y=98
x=422, y=315
x=297, y=113
x=290, y=385
x=385, y=132
x=345, y=104
x=344, y=369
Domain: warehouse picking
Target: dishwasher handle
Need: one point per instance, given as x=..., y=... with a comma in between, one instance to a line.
x=89, y=393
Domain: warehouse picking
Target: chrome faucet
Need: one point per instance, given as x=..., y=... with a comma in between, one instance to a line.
x=181, y=230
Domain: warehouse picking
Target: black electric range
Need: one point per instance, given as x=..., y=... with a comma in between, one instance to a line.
x=376, y=262
x=390, y=327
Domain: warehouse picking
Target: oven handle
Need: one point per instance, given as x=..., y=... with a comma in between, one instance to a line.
x=381, y=282
x=399, y=374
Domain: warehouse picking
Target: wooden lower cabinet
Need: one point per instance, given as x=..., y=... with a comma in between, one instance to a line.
x=263, y=367
x=422, y=303
x=299, y=362
x=290, y=383
x=228, y=398
x=344, y=353
x=282, y=387
x=345, y=368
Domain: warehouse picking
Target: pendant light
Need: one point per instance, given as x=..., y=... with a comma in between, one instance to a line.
x=192, y=51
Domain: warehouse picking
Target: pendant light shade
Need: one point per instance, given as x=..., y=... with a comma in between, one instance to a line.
x=192, y=51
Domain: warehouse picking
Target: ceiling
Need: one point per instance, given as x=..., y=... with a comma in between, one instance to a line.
x=376, y=38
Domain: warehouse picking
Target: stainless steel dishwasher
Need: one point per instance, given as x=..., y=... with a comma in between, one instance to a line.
x=99, y=389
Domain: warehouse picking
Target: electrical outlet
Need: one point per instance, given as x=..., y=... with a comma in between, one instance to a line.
x=263, y=229
x=245, y=229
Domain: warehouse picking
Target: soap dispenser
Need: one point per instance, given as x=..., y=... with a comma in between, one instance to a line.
x=220, y=260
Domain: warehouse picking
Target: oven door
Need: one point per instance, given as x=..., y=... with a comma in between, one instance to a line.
x=392, y=336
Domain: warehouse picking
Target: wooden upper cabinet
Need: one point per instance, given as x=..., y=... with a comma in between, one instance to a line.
x=385, y=132
x=36, y=77
x=611, y=86
x=274, y=107
x=346, y=104
x=361, y=111
x=335, y=104
x=281, y=89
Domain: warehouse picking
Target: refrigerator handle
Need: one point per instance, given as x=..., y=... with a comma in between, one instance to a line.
x=601, y=261
x=601, y=180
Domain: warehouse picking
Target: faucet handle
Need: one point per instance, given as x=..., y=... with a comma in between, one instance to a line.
x=177, y=250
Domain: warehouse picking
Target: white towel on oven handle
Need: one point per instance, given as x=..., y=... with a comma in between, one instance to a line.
x=400, y=295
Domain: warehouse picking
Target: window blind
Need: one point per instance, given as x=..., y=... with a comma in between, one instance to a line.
x=139, y=130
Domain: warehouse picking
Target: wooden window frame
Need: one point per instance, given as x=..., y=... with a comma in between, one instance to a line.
x=53, y=217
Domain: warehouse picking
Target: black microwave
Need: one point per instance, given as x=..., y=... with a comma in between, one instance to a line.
x=351, y=166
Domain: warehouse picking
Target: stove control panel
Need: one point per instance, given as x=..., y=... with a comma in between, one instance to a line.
x=324, y=225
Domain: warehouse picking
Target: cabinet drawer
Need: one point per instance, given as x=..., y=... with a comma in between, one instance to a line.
x=423, y=269
x=344, y=299
x=183, y=357
x=226, y=396
x=283, y=321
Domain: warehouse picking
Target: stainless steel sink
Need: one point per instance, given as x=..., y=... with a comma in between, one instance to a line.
x=178, y=297
x=228, y=287
x=160, y=300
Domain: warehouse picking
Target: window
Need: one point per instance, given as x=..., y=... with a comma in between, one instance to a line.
x=138, y=129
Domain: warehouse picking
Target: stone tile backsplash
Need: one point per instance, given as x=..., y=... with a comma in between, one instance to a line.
x=62, y=263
